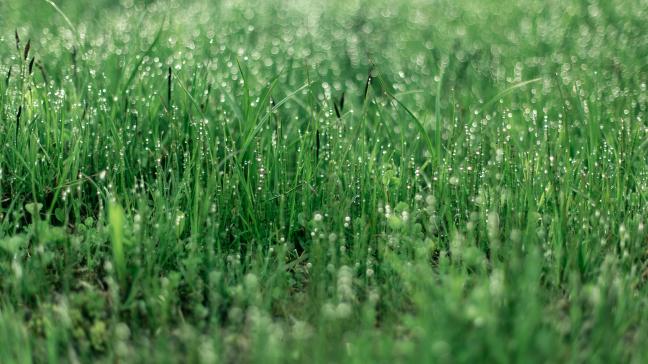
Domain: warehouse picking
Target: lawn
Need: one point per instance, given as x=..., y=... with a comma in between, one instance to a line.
x=294, y=181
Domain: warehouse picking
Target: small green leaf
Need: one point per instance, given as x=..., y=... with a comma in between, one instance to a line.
x=394, y=222
x=12, y=244
x=88, y=222
x=33, y=208
x=60, y=214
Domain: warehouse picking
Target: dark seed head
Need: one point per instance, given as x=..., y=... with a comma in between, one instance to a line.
x=17, y=41
x=42, y=69
x=31, y=65
x=169, y=80
x=8, y=76
x=18, y=121
x=74, y=57
x=27, y=47
x=337, y=111
x=317, y=146
x=366, y=89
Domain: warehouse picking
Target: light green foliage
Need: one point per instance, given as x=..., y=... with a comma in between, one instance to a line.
x=220, y=181
x=116, y=221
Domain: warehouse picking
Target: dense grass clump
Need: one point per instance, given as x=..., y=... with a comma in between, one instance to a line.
x=337, y=181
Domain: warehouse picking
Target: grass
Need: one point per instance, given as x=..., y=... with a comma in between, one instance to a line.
x=345, y=181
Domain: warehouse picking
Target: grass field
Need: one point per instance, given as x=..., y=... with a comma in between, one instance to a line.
x=401, y=181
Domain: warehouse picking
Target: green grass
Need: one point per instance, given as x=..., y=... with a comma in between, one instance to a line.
x=340, y=181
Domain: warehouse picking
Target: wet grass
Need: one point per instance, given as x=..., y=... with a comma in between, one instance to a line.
x=351, y=181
